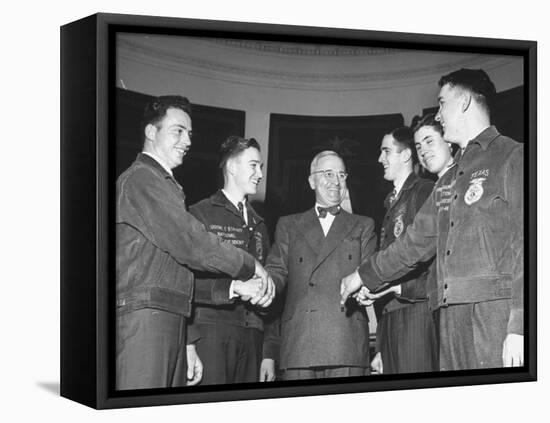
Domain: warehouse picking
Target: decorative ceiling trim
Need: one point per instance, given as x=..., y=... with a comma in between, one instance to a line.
x=291, y=49
x=318, y=81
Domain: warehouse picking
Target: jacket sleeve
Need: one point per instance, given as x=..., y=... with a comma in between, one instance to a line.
x=277, y=260
x=368, y=240
x=418, y=245
x=415, y=288
x=212, y=291
x=272, y=336
x=209, y=290
x=193, y=334
x=159, y=213
x=514, y=194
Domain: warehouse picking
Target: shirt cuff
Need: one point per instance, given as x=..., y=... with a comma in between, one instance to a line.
x=232, y=291
x=249, y=267
x=368, y=276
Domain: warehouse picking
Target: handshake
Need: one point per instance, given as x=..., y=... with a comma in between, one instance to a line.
x=353, y=285
x=260, y=290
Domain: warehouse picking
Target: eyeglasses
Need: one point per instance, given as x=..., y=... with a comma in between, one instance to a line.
x=332, y=174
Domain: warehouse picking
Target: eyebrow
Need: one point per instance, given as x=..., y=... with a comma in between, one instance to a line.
x=179, y=125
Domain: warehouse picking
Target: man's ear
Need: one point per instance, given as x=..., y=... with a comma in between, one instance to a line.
x=311, y=181
x=407, y=154
x=230, y=166
x=150, y=132
x=465, y=101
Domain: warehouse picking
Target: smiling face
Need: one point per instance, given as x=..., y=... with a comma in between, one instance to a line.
x=393, y=158
x=328, y=192
x=170, y=139
x=450, y=114
x=433, y=152
x=246, y=171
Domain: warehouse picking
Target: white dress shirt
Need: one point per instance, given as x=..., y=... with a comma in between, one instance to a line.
x=236, y=204
x=326, y=222
x=160, y=162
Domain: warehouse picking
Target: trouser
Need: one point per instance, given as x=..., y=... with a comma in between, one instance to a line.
x=151, y=350
x=229, y=354
x=471, y=335
x=324, y=372
x=407, y=340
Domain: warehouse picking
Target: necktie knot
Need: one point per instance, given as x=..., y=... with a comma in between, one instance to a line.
x=393, y=196
x=241, y=208
x=334, y=210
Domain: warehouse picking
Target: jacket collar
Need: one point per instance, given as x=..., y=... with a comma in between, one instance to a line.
x=149, y=161
x=486, y=137
x=309, y=226
x=409, y=183
x=219, y=199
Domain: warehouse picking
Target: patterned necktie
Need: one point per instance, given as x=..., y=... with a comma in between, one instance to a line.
x=334, y=210
x=393, y=196
x=241, y=209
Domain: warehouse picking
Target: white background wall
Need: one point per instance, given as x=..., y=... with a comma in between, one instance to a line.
x=29, y=353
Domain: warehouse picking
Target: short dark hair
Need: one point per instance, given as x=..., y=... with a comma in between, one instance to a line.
x=156, y=109
x=428, y=120
x=476, y=81
x=235, y=145
x=404, y=138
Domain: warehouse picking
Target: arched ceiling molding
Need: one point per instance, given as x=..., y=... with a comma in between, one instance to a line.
x=294, y=49
x=208, y=65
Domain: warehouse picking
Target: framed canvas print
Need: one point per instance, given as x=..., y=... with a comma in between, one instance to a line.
x=258, y=211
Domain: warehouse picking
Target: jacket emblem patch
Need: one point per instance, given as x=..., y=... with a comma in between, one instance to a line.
x=475, y=191
x=398, y=226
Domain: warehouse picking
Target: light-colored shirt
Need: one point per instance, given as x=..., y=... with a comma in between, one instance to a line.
x=326, y=222
x=236, y=202
x=397, y=188
x=160, y=162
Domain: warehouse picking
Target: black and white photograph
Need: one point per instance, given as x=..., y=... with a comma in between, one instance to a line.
x=275, y=211
x=315, y=211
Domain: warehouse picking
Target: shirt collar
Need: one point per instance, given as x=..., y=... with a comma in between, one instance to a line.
x=233, y=200
x=398, y=188
x=324, y=207
x=485, y=137
x=408, y=183
x=159, y=161
x=449, y=165
x=219, y=198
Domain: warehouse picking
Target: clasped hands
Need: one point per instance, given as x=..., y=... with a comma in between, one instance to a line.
x=353, y=285
x=260, y=290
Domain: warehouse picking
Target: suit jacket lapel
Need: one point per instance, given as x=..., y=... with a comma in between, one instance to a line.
x=311, y=229
x=340, y=228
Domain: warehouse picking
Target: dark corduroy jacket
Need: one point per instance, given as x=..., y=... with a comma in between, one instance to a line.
x=158, y=243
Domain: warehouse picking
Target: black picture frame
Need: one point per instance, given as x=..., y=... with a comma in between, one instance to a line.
x=87, y=235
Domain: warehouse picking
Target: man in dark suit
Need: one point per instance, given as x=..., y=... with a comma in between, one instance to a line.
x=312, y=252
